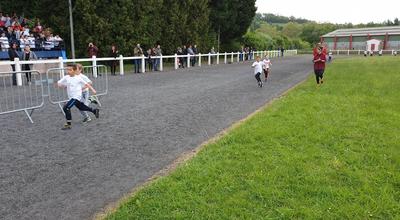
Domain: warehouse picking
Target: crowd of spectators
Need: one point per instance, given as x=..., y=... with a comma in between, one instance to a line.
x=26, y=32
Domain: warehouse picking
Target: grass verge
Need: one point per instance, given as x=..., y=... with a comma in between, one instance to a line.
x=329, y=152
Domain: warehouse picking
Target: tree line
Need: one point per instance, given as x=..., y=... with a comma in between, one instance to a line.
x=273, y=31
x=125, y=23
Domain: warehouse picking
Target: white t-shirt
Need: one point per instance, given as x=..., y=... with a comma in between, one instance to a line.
x=74, y=86
x=257, y=67
x=267, y=63
x=86, y=79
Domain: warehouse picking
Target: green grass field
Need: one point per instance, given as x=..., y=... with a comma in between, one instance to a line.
x=329, y=152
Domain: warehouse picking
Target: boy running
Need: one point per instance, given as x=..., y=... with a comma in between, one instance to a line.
x=75, y=85
x=257, y=65
x=319, y=66
x=266, y=65
x=85, y=93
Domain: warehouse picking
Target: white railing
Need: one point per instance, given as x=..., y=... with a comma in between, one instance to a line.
x=227, y=57
x=361, y=52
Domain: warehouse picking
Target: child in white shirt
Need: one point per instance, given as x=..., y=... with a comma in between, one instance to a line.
x=257, y=65
x=266, y=67
x=75, y=85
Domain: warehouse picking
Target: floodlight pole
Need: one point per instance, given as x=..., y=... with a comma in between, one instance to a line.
x=71, y=25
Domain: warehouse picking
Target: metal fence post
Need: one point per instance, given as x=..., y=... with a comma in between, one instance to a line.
x=238, y=57
x=188, y=60
x=176, y=61
x=232, y=57
x=18, y=70
x=209, y=59
x=217, y=58
x=143, y=64
x=199, y=59
x=61, y=66
x=94, y=66
x=161, y=63
x=121, y=65
x=225, y=55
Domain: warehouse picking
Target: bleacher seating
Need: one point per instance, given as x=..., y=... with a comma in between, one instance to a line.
x=25, y=32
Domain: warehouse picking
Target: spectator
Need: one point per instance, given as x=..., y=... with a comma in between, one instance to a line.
x=113, y=63
x=92, y=50
x=38, y=27
x=26, y=56
x=179, y=52
x=282, y=51
x=185, y=52
x=149, y=61
x=158, y=59
x=191, y=53
x=212, y=51
x=8, y=21
x=12, y=54
x=195, y=51
x=137, y=52
x=4, y=42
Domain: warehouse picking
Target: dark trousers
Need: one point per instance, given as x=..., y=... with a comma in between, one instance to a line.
x=14, y=76
x=28, y=74
x=137, y=63
x=319, y=74
x=73, y=102
x=258, y=77
x=113, y=67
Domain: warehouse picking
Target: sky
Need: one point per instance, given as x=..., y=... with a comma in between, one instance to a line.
x=334, y=11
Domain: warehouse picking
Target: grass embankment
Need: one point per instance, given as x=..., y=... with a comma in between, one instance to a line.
x=331, y=152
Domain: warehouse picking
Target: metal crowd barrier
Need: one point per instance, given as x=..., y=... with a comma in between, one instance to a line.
x=58, y=96
x=25, y=98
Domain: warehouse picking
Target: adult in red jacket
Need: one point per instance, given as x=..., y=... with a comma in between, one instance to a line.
x=319, y=65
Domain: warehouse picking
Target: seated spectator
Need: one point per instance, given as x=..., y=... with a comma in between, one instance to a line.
x=25, y=31
x=4, y=42
x=38, y=27
x=23, y=42
x=7, y=21
x=32, y=41
x=2, y=21
x=2, y=18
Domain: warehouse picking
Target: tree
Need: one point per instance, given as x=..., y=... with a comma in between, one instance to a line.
x=230, y=19
x=292, y=30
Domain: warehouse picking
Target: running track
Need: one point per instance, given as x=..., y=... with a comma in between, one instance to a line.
x=147, y=121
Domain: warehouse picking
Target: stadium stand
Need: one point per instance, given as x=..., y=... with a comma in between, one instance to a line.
x=23, y=32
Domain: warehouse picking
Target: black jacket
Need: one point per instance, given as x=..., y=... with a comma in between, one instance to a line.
x=12, y=54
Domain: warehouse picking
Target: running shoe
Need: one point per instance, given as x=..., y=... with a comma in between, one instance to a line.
x=66, y=127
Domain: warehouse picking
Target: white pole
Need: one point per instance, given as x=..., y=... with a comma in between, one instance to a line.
x=94, y=66
x=161, y=63
x=225, y=58
x=18, y=70
x=232, y=57
x=238, y=57
x=199, y=59
x=188, y=60
x=209, y=59
x=176, y=61
x=121, y=65
x=61, y=66
x=143, y=64
x=217, y=58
